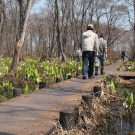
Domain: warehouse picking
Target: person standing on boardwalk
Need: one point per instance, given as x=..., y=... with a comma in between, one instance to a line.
x=122, y=56
x=102, y=54
x=89, y=47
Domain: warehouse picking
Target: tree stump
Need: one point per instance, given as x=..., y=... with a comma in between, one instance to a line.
x=77, y=74
x=109, y=79
x=87, y=99
x=42, y=85
x=118, y=69
x=58, y=80
x=67, y=119
x=105, y=84
x=70, y=76
x=97, y=91
x=17, y=92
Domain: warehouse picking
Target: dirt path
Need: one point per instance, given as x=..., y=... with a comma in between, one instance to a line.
x=37, y=112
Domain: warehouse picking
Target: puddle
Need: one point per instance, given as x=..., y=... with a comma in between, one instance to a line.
x=121, y=126
x=116, y=125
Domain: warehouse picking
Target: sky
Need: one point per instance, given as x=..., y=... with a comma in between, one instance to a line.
x=36, y=7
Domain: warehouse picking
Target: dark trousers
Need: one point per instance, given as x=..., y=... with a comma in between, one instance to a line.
x=78, y=58
x=122, y=58
x=88, y=56
x=102, y=61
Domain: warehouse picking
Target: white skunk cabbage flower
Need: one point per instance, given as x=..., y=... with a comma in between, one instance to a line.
x=125, y=104
x=38, y=80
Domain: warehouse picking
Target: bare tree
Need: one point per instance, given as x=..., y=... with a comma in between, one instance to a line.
x=24, y=15
x=130, y=11
x=3, y=23
x=134, y=30
x=57, y=29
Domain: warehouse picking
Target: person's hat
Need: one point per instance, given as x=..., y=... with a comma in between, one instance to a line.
x=90, y=26
x=102, y=34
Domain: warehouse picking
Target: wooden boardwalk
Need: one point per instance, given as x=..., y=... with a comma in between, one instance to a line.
x=35, y=113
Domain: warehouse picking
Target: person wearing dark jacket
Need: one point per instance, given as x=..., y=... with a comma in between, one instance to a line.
x=122, y=56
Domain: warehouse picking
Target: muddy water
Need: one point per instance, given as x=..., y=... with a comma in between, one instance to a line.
x=116, y=124
x=122, y=126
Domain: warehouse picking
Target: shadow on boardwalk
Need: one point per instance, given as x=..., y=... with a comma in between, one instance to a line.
x=5, y=133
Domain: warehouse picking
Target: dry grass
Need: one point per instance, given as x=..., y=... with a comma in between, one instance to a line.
x=87, y=121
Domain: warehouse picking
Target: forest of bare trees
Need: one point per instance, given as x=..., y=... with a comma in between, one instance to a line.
x=56, y=30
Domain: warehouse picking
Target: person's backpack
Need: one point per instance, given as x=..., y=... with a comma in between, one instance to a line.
x=101, y=48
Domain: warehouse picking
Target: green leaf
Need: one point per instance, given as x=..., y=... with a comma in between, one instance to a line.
x=130, y=101
x=25, y=90
x=125, y=93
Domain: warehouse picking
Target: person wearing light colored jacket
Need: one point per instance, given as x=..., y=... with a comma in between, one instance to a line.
x=89, y=49
x=102, y=54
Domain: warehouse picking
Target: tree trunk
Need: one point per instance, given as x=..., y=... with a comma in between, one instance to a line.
x=15, y=62
x=134, y=30
x=31, y=38
x=3, y=23
x=54, y=24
